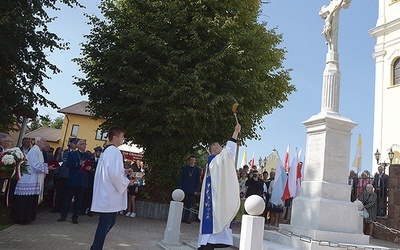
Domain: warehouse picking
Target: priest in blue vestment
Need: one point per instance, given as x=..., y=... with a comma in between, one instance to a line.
x=220, y=200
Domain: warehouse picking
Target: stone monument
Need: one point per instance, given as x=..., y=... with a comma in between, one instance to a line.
x=323, y=211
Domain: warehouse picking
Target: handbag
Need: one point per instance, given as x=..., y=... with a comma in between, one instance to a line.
x=365, y=214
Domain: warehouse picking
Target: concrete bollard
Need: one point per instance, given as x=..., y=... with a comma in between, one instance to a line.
x=173, y=229
x=252, y=230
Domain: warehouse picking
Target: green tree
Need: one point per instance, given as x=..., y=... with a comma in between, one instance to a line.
x=57, y=122
x=25, y=42
x=35, y=124
x=45, y=121
x=169, y=72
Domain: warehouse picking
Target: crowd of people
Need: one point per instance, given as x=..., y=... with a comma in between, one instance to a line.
x=252, y=182
x=65, y=179
x=372, y=191
x=60, y=179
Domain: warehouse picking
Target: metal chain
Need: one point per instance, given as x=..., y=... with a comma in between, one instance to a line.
x=192, y=210
x=392, y=230
x=325, y=243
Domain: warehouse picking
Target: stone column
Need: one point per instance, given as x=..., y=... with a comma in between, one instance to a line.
x=252, y=230
x=173, y=230
x=323, y=211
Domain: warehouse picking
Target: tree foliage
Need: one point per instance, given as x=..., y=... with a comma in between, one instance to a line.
x=46, y=122
x=25, y=43
x=170, y=71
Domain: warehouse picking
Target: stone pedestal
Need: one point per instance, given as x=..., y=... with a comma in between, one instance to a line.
x=173, y=230
x=252, y=232
x=324, y=211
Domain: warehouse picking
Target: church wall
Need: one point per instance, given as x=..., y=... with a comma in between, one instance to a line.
x=387, y=97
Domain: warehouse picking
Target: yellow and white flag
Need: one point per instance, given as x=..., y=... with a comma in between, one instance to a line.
x=244, y=159
x=357, y=162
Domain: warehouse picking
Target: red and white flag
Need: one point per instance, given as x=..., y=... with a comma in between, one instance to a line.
x=299, y=178
x=252, y=161
x=286, y=160
x=292, y=178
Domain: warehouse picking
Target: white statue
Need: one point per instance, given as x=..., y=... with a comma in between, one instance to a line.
x=329, y=13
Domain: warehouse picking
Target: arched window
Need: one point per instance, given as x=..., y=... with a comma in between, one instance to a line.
x=396, y=72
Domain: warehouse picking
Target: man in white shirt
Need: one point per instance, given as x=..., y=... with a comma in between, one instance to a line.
x=110, y=186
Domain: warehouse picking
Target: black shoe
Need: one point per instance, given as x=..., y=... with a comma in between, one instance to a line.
x=90, y=214
x=61, y=219
x=54, y=211
x=75, y=221
x=187, y=222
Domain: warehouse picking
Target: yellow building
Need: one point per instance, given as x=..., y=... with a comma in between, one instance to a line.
x=270, y=161
x=79, y=123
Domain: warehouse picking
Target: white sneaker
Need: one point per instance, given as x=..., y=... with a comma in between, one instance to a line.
x=132, y=215
x=128, y=214
x=121, y=212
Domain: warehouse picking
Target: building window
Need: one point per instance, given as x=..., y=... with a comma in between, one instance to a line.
x=74, y=131
x=396, y=72
x=100, y=135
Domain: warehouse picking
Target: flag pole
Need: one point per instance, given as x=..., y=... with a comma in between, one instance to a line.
x=234, y=107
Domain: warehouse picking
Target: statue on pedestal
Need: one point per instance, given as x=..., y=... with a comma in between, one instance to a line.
x=329, y=13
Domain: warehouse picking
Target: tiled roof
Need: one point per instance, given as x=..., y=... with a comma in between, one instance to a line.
x=51, y=134
x=79, y=108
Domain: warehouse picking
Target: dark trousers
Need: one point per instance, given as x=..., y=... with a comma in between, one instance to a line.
x=187, y=203
x=87, y=200
x=76, y=192
x=210, y=246
x=60, y=193
x=106, y=222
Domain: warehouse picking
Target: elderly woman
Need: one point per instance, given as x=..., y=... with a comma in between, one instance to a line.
x=362, y=183
x=369, y=200
x=27, y=190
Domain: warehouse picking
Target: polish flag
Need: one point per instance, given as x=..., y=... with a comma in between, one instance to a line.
x=290, y=188
x=299, y=178
x=286, y=163
x=252, y=161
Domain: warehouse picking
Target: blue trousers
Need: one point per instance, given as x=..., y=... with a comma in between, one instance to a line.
x=106, y=222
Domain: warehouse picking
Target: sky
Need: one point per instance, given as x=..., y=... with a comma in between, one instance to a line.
x=301, y=26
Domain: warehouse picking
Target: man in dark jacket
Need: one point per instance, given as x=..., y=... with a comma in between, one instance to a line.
x=79, y=164
x=190, y=184
x=255, y=184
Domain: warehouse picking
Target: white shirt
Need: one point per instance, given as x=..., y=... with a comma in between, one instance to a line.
x=110, y=183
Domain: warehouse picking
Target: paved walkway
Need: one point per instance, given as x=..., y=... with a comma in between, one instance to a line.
x=128, y=233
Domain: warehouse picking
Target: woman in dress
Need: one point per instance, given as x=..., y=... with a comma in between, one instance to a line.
x=243, y=189
x=26, y=193
x=369, y=198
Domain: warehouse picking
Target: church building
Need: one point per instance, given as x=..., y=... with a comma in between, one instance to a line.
x=387, y=82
